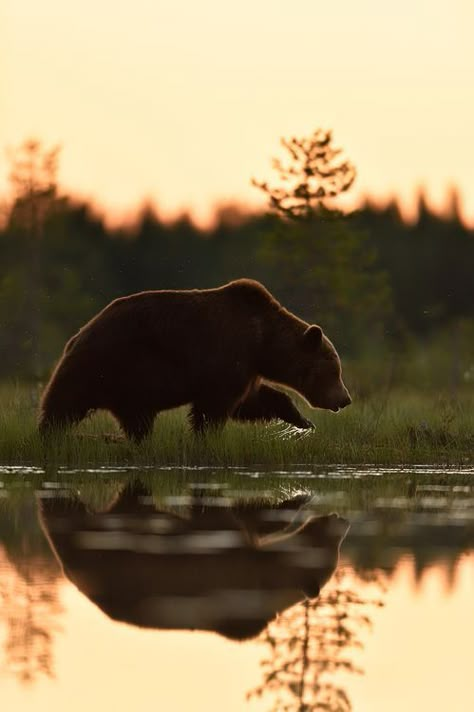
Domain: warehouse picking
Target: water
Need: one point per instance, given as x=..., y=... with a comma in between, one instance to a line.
x=330, y=588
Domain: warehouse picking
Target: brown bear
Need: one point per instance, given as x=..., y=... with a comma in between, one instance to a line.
x=218, y=567
x=210, y=348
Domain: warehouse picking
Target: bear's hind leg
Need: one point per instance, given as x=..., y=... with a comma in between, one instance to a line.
x=136, y=427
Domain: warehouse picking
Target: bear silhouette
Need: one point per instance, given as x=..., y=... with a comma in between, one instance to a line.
x=212, y=349
x=227, y=568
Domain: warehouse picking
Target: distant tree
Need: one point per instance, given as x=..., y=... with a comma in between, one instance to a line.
x=33, y=176
x=322, y=266
x=33, y=180
x=316, y=171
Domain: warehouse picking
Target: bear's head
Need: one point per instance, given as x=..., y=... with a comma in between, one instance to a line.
x=320, y=373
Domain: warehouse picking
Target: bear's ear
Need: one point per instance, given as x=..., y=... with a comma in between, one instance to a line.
x=313, y=335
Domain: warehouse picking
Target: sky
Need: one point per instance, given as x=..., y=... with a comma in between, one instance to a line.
x=181, y=103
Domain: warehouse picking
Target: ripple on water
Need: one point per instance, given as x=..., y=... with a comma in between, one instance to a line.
x=297, y=469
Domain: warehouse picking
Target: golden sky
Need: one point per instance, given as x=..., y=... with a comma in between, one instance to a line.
x=182, y=102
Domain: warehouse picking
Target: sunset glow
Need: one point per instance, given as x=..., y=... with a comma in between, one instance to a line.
x=181, y=103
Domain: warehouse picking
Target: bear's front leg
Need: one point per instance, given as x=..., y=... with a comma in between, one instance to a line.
x=197, y=420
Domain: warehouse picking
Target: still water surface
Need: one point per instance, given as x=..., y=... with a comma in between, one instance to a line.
x=307, y=589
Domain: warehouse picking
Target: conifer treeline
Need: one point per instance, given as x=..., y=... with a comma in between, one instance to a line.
x=366, y=275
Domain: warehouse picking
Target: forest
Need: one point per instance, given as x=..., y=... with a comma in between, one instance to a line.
x=379, y=286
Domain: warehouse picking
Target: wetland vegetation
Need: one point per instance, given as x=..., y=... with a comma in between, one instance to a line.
x=404, y=427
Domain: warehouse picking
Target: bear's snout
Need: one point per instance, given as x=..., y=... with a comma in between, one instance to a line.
x=347, y=400
x=340, y=400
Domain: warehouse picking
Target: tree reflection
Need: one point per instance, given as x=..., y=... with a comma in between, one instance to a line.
x=30, y=606
x=312, y=643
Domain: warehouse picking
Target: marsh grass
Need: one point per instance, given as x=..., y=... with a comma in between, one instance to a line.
x=401, y=427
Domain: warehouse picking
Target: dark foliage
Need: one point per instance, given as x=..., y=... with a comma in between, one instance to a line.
x=428, y=265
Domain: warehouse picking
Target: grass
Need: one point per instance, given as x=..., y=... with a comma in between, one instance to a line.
x=401, y=427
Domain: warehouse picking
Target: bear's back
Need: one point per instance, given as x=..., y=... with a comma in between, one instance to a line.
x=192, y=316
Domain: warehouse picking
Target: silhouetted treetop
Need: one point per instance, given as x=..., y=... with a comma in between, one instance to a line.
x=315, y=171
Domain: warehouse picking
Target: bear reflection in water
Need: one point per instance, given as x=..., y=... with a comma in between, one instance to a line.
x=228, y=568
